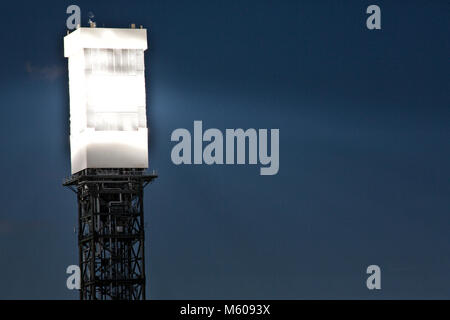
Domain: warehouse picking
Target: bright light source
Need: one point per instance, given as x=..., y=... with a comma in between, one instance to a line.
x=108, y=125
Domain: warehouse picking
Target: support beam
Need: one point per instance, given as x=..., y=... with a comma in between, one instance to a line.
x=111, y=232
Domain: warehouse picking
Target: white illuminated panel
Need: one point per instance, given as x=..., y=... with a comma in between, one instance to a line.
x=108, y=125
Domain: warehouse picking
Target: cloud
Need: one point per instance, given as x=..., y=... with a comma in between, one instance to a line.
x=47, y=72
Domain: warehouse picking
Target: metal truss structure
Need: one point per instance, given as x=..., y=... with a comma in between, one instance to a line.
x=111, y=232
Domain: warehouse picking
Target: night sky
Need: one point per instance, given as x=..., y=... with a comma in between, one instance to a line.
x=364, y=148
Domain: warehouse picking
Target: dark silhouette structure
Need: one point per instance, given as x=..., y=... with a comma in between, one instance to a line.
x=111, y=232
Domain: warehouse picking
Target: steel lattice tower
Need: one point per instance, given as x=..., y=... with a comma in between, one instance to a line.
x=111, y=232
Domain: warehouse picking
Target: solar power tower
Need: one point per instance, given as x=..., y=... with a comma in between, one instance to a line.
x=109, y=158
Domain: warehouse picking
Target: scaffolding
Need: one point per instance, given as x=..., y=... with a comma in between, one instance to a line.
x=111, y=232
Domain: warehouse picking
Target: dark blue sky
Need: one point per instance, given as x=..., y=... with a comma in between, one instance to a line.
x=364, y=148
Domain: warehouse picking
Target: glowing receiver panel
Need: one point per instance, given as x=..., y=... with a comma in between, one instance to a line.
x=108, y=124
